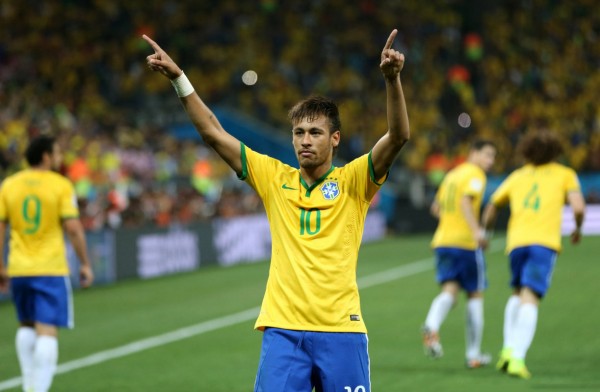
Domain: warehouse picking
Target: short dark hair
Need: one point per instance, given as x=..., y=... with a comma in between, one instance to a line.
x=314, y=106
x=479, y=144
x=37, y=148
x=540, y=147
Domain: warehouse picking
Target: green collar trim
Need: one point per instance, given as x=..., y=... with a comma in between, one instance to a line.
x=309, y=189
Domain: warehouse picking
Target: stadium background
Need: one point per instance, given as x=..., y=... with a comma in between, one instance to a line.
x=77, y=70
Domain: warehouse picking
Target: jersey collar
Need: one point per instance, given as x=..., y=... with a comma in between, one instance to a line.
x=317, y=183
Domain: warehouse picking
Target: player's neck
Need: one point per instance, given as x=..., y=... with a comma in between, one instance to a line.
x=475, y=162
x=314, y=174
x=42, y=167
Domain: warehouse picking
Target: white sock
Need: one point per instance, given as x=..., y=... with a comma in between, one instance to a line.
x=45, y=360
x=25, y=343
x=438, y=311
x=524, y=329
x=474, y=327
x=510, y=317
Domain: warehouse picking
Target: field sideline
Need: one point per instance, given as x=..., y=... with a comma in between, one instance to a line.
x=194, y=331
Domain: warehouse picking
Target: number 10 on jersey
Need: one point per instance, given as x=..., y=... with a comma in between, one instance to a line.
x=306, y=224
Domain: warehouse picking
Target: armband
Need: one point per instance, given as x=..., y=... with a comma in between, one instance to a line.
x=182, y=85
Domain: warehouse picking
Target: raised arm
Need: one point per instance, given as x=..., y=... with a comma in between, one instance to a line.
x=205, y=122
x=387, y=148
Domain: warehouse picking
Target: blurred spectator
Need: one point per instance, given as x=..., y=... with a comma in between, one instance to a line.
x=508, y=71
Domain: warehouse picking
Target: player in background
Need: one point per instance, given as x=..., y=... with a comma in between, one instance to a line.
x=314, y=333
x=459, y=259
x=40, y=205
x=536, y=194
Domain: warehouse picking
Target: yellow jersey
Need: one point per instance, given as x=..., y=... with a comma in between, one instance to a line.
x=316, y=234
x=33, y=202
x=537, y=195
x=453, y=231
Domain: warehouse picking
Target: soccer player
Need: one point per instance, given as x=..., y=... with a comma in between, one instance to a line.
x=39, y=205
x=314, y=333
x=536, y=194
x=459, y=260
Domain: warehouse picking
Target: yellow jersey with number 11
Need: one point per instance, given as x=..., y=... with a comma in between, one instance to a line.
x=453, y=230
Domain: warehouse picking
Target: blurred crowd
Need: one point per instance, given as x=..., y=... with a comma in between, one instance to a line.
x=493, y=69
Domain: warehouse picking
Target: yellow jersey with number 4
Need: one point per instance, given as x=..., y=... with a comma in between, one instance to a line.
x=536, y=195
x=34, y=203
x=467, y=179
x=316, y=232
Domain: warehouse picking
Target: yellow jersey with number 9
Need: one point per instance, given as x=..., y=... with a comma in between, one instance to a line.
x=34, y=203
x=316, y=232
x=537, y=195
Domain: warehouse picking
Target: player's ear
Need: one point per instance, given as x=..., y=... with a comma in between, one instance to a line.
x=335, y=137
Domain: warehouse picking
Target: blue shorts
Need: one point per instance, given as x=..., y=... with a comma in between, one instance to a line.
x=43, y=299
x=532, y=267
x=467, y=267
x=298, y=361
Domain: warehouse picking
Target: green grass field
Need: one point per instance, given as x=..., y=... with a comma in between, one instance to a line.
x=220, y=353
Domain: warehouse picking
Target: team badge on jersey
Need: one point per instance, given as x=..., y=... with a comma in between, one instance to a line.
x=330, y=190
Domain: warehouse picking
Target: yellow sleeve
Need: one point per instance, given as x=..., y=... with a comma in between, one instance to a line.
x=572, y=182
x=363, y=173
x=3, y=216
x=475, y=184
x=257, y=170
x=68, y=202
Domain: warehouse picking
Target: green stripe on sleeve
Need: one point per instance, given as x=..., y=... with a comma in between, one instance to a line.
x=244, y=173
x=372, y=172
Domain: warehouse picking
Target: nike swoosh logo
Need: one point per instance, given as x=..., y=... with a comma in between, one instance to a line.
x=285, y=186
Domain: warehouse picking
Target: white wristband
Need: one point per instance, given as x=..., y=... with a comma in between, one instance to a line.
x=182, y=85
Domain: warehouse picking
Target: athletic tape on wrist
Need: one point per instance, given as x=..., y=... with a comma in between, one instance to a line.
x=182, y=85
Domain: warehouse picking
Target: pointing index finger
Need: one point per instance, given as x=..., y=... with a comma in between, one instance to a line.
x=152, y=43
x=390, y=40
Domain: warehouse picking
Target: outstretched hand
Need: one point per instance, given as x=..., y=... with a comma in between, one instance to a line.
x=392, y=61
x=160, y=61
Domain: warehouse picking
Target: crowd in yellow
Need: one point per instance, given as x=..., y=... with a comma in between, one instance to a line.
x=76, y=70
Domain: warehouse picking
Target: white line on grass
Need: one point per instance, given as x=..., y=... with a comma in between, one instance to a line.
x=410, y=269
x=376, y=279
x=146, y=344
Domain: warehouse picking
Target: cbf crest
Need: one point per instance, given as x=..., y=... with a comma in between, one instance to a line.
x=330, y=190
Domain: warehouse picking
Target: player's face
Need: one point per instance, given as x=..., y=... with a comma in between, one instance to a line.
x=486, y=157
x=313, y=142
